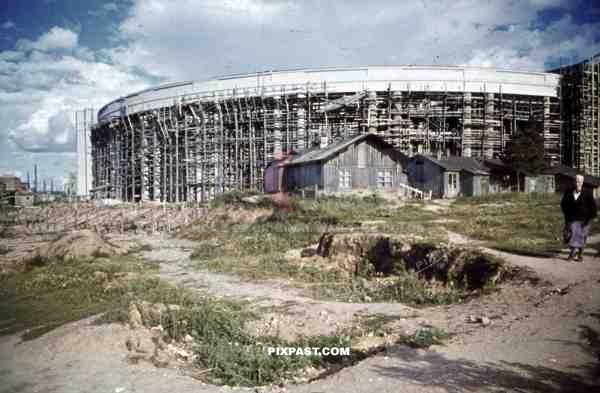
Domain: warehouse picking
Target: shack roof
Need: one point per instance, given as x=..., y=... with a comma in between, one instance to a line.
x=456, y=163
x=318, y=154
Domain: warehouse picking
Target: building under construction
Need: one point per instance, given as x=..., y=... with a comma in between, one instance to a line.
x=580, y=115
x=190, y=141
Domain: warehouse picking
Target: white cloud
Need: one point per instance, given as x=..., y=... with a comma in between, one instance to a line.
x=40, y=90
x=55, y=38
x=110, y=7
x=180, y=40
x=8, y=25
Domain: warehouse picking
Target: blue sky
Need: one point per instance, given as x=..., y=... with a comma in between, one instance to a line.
x=57, y=56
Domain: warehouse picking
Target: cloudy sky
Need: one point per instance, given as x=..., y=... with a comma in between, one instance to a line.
x=57, y=56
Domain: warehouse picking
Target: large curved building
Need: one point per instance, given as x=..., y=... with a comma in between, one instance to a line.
x=189, y=141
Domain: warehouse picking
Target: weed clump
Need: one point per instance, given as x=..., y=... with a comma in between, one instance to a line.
x=425, y=337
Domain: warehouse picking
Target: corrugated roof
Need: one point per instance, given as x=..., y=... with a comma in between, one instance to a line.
x=496, y=163
x=571, y=172
x=456, y=163
x=553, y=170
x=317, y=154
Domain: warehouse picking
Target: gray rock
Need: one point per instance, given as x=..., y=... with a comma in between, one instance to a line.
x=135, y=318
x=100, y=276
x=160, y=359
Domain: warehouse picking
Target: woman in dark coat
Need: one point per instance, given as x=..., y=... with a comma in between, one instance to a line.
x=579, y=209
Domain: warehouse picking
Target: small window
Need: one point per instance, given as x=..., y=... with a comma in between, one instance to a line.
x=344, y=178
x=452, y=181
x=387, y=181
x=384, y=179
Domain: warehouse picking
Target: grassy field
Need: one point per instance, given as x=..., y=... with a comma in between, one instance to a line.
x=56, y=292
x=258, y=251
x=528, y=224
x=60, y=291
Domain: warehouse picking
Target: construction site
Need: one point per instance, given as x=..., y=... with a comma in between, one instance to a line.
x=580, y=114
x=191, y=141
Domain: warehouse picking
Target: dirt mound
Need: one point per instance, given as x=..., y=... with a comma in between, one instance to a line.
x=230, y=218
x=80, y=244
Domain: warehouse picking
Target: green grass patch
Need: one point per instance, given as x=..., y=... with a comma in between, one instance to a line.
x=370, y=324
x=528, y=247
x=269, y=266
x=52, y=293
x=426, y=337
x=351, y=209
x=524, y=223
x=404, y=288
x=233, y=356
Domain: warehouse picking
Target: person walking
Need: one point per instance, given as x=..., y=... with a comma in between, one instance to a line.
x=579, y=209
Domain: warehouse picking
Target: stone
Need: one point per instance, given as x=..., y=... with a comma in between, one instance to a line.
x=100, y=276
x=130, y=343
x=308, y=252
x=178, y=352
x=154, y=312
x=188, y=339
x=485, y=321
x=157, y=331
x=135, y=318
x=160, y=359
x=252, y=200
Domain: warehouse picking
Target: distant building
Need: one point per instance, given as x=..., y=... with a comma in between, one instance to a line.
x=23, y=198
x=83, y=122
x=11, y=184
x=564, y=178
x=9, y=187
x=448, y=177
x=580, y=122
x=552, y=179
x=503, y=178
x=364, y=162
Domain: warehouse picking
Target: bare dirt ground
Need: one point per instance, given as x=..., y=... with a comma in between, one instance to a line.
x=536, y=341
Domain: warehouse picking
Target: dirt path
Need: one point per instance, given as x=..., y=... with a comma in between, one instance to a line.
x=555, y=270
x=295, y=313
x=535, y=342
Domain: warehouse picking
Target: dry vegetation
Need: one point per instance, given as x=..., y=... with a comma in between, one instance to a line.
x=359, y=249
x=346, y=248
